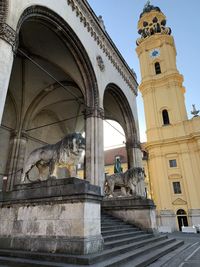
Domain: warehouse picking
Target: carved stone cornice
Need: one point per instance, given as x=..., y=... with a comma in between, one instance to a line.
x=94, y=112
x=7, y=34
x=3, y=10
x=91, y=23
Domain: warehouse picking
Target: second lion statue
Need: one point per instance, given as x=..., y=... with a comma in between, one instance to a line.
x=127, y=181
x=65, y=153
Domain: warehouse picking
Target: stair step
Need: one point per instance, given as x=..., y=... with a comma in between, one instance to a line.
x=21, y=262
x=113, y=252
x=124, y=245
x=124, y=241
x=116, y=231
x=113, y=223
x=113, y=227
x=42, y=258
x=153, y=256
x=129, y=259
x=103, y=219
x=122, y=259
x=122, y=235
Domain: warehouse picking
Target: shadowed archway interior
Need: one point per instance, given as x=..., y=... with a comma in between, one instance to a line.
x=49, y=89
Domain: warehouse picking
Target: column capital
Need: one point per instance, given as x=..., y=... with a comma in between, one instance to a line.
x=8, y=34
x=94, y=112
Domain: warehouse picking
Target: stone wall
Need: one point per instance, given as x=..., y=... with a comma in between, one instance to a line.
x=135, y=210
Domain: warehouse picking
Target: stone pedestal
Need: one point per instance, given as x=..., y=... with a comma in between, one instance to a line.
x=135, y=210
x=56, y=216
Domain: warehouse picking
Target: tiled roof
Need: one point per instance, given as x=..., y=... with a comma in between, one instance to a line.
x=109, y=155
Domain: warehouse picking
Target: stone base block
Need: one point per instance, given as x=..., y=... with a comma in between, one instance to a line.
x=57, y=216
x=73, y=245
x=189, y=229
x=167, y=218
x=164, y=229
x=135, y=210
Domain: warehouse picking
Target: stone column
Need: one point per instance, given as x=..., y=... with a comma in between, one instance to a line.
x=94, y=154
x=134, y=153
x=7, y=42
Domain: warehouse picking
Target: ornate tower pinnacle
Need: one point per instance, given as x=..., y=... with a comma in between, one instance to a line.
x=147, y=4
x=162, y=84
x=152, y=21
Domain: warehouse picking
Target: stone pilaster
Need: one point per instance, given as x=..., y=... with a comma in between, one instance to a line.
x=16, y=158
x=94, y=146
x=7, y=42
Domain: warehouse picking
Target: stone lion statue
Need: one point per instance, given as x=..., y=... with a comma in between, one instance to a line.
x=127, y=181
x=65, y=153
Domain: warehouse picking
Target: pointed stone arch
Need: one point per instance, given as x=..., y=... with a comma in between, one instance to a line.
x=71, y=41
x=122, y=113
x=89, y=88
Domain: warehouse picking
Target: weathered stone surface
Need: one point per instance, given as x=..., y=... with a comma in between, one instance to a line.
x=52, y=216
x=70, y=188
x=137, y=211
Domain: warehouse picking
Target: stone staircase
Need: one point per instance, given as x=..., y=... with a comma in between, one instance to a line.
x=132, y=246
x=125, y=245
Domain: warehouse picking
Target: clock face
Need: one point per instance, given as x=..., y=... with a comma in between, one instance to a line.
x=155, y=53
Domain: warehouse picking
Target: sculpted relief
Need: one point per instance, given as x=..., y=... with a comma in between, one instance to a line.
x=65, y=153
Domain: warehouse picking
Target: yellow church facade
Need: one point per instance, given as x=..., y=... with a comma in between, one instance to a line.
x=173, y=140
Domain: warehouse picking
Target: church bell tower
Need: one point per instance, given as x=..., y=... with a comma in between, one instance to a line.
x=173, y=141
x=161, y=85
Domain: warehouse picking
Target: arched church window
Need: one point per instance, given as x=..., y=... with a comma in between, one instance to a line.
x=157, y=68
x=165, y=117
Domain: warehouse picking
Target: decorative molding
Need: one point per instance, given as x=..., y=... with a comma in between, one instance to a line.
x=92, y=24
x=94, y=112
x=175, y=176
x=3, y=10
x=152, y=21
x=8, y=34
x=179, y=201
x=194, y=212
x=166, y=213
x=100, y=63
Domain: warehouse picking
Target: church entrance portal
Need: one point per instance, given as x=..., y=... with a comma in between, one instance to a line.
x=182, y=219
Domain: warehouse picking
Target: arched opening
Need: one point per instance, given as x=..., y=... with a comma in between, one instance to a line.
x=182, y=218
x=115, y=154
x=117, y=109
x=51, y=83
x=165, y=117
x=157, y=68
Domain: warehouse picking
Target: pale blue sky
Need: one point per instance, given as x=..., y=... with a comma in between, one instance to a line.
x=121, y=17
